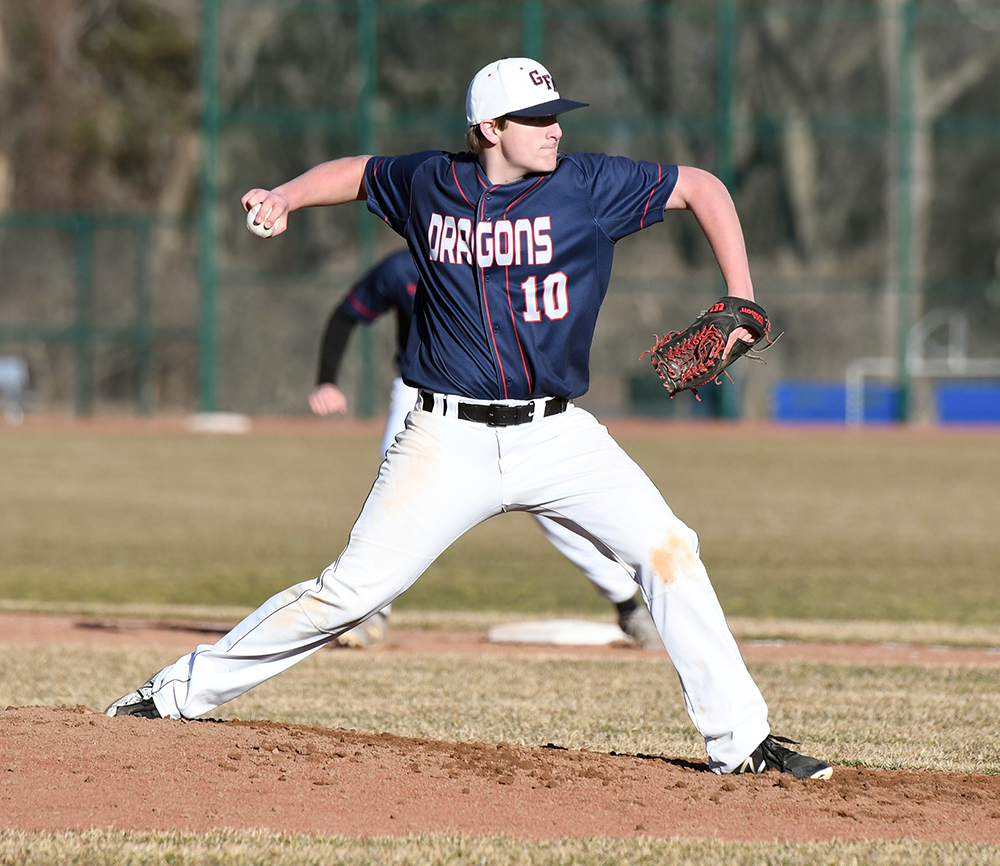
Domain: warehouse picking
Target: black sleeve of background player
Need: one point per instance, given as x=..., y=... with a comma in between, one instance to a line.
x=331, y=353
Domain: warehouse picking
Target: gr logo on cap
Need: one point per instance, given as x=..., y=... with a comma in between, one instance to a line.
x=515, y=87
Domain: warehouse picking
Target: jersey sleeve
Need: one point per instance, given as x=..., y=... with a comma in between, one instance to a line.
x=626, y=194
x=370, y=297
x=388, y=285
x=333, y=344
x=388, y=182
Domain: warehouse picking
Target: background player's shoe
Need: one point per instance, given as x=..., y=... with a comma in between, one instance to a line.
x=137, y=703
x=373, y=630
x=771, y=755
x=638, y=625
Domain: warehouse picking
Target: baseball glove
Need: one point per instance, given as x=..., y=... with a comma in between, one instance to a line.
x=687, y=359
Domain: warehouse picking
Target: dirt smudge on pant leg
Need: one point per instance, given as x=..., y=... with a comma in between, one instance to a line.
x=673, y=559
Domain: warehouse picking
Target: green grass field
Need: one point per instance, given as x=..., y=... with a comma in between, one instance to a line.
x=796, y=525
x=811, y=534
x=252, y=849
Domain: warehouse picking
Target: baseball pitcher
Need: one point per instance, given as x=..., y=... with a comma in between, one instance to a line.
x=513, y=243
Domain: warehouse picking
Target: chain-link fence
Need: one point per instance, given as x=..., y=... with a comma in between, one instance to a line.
x=859, y=139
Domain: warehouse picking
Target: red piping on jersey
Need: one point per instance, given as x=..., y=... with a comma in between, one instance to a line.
x=378, y=162
x=510, y=302
x=489, y=320
x=659, y=179
x=361, y=308
x=523, y=194
x=513, y=324
x=454, y=174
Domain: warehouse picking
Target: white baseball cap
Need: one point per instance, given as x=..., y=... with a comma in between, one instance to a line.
x=517, y=87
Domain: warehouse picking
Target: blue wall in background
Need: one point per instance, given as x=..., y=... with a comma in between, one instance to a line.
x=966, y=402
x=826, y=402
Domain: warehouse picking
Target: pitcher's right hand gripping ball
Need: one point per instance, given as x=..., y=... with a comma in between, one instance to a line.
x=686, y=359
x=256, y=228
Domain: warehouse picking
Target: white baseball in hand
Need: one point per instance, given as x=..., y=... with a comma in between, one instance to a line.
x=255, y=228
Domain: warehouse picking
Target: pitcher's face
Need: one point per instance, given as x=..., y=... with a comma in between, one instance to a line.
x=528, y=145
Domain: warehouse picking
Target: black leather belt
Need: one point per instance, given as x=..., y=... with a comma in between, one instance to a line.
x=498, y=414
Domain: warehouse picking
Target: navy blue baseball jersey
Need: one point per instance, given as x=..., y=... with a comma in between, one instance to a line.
x=512, y=276
x=390, y=285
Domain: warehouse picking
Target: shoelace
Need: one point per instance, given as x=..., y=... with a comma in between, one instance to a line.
x=778, y=753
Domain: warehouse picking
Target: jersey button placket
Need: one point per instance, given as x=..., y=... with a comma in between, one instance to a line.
x=485, y=217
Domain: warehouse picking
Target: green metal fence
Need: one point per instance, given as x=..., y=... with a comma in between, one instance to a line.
x=83, y=333
x=535, y=16
x=369, y=125
x=362, y=120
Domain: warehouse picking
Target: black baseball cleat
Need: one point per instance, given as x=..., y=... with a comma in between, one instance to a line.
x=137, y=703
x=771, y=755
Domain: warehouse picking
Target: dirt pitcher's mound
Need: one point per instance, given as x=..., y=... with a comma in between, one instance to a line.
x=71, y=768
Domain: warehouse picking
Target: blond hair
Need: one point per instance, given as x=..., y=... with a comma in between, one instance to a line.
x=476, y=141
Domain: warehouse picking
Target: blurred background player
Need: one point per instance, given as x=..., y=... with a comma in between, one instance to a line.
x=392, y=285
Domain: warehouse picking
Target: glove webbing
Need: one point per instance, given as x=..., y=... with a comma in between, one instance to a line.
x=689, y=359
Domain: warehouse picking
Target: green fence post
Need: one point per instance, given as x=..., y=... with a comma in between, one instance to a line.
x=368, y=62
x=83, y=332
x=207, y=269
x=726, y=44
x=532, y=28
x=145, y=396
x=904, y=203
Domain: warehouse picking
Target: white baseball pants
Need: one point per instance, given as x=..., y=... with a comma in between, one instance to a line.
x=444, y=476
x=598, y=565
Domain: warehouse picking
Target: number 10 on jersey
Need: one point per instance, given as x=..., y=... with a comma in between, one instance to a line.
x=555, y=299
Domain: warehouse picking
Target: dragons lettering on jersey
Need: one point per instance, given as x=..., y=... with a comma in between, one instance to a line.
x=502, y=243
x=448, y=239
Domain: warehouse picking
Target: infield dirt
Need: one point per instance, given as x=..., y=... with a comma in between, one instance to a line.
x=71, y=768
